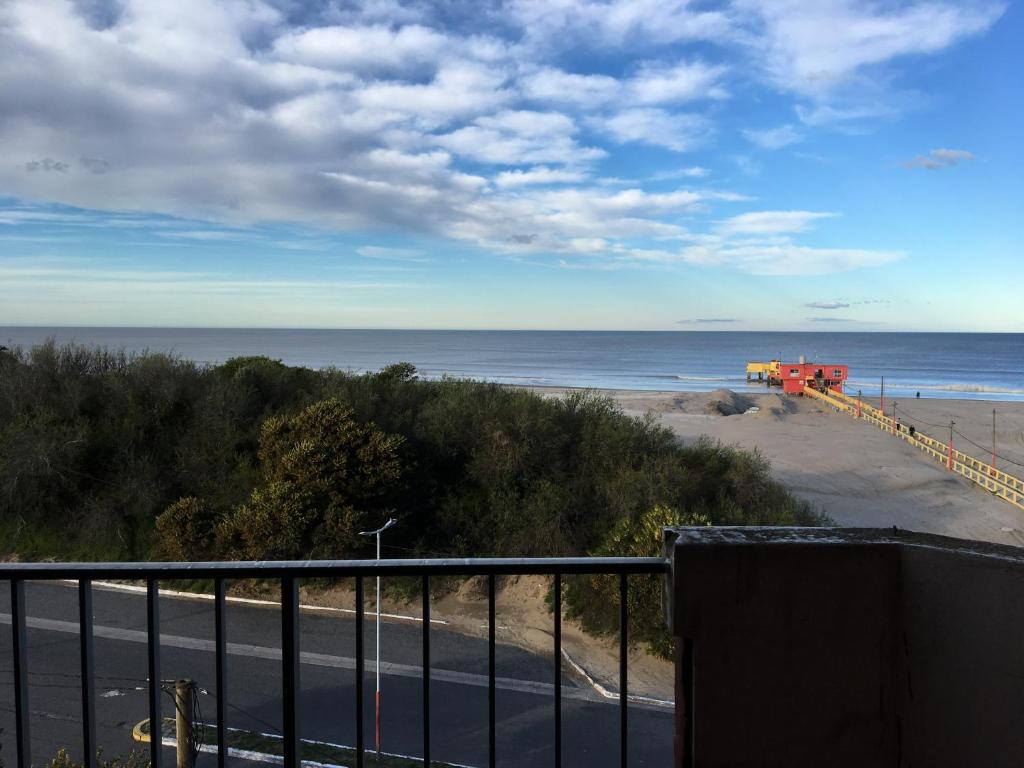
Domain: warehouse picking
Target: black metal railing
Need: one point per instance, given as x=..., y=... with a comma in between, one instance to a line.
x=290, y=574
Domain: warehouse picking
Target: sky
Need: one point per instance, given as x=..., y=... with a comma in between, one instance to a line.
x=565, y=164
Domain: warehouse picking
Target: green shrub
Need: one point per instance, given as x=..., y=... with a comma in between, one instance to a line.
x=186, y=530
x=134, y=759
x=594, y=599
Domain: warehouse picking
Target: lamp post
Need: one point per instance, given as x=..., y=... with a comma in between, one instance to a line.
x=391, y=521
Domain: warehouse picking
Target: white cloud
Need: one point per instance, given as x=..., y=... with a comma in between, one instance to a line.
x=785, y=258
x=516, y=137
x=830, y=114
x=373, y=115
x=458, y=90
x=392, y=254
x=538, y=175
x=826, y=305
x=550, y=84
x=939, y=158
x=686, y=81
x=773, y=138
x=362, y=48
x=620, y=23
x=771, y=222
x=651, y=85
x=692, y=172
x=813, y=49
x=679, y=132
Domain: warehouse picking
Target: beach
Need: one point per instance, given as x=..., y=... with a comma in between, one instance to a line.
x=855, y=473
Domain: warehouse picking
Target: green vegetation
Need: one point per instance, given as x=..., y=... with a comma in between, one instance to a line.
x=107, y=455
x=134, y=759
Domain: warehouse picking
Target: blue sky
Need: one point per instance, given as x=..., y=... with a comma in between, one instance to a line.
x=755, y=164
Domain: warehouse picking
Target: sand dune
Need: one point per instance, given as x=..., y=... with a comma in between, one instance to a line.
x=858, y=474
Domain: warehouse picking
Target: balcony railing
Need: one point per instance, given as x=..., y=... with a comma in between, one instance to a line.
x=290, y=574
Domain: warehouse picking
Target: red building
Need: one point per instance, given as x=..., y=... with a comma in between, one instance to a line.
x=796, y=376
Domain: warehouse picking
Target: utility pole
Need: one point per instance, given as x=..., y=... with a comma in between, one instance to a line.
x=993, y=442
x=882, y=403
x=895, y=429
x=377, y=699
x=183, y=728
x=860, y=402
x=949, y=463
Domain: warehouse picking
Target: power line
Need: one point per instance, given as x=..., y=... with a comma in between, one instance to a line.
x=273, y=728
x=907, y=413
x=986, y=448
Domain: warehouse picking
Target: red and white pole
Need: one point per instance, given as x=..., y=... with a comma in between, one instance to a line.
x=377, y=696
x=378, y=650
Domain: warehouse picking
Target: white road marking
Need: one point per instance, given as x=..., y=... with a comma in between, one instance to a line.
x=578, y=668
x=132, y=588
x=313, y=659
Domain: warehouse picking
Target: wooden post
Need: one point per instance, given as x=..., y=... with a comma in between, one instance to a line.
x=183, y=692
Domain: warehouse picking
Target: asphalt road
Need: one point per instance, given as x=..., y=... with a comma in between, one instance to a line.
x=458, y=706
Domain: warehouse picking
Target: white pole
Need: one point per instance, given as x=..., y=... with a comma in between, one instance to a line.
x=377, y=533
x=378, y=648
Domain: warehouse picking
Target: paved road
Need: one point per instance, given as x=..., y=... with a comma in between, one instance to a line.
x=458, y=689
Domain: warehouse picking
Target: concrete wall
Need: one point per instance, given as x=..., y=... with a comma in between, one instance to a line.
x=831, y=647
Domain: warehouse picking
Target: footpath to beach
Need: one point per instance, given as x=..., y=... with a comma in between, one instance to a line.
x=858, y=474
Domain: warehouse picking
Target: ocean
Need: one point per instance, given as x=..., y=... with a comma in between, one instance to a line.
x=950, y=365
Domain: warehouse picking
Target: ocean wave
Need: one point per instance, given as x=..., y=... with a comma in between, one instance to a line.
x=976, y=388
x=681, y=377
x=988, y=389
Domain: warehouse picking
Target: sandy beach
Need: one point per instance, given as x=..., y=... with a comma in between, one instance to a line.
x=857, y=474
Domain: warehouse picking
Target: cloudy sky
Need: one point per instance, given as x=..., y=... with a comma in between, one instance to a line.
x=654, y=164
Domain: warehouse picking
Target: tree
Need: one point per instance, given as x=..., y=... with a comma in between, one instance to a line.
x=325, y=476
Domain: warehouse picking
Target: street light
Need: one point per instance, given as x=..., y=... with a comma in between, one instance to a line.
x=391, y=521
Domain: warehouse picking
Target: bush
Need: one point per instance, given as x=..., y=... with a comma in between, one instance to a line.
x=134, y=759
x=186, y=530
x=325, y=477
x=594, y=599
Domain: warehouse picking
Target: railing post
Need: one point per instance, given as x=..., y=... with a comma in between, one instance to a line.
x=290, y=669
x=85, y=644
x=623, y=670
x=220, y=641
x=360, y=672
x=557, y=590
x=156, y=723
x=20, y=638
x=426, y=671
x=492, y=751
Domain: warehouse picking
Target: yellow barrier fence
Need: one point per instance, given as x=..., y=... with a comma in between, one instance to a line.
x=995, y=481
